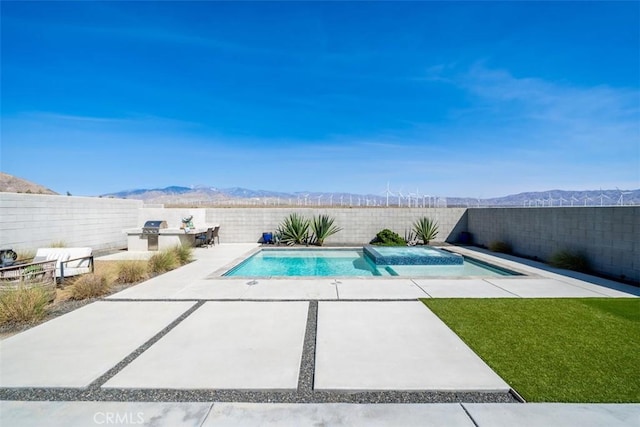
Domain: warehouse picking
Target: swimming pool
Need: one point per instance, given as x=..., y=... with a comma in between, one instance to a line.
x=348, y=262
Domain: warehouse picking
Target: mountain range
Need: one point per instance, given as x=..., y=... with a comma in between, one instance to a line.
x=202, y=195
x=237, y=196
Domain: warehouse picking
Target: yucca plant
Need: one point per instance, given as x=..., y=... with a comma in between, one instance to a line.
x=294, y=229
x=322, y=227
x=426, y=229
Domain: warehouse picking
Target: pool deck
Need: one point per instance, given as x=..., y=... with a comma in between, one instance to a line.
x=191, y=348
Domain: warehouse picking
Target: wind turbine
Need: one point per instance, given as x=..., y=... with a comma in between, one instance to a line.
x=331, y=200
x=622, y=193
x=586, y=197
x=400, y=196
x=319, y=197
x=388, y=193
x=562, y=199
x=306, y=196
x=603, y=196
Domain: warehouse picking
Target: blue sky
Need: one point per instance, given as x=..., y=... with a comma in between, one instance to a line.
x=476, y=99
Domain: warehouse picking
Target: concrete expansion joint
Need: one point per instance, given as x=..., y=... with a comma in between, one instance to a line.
x=96, y=385
x=469, y=415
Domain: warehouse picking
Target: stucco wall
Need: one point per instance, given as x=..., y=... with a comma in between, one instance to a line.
x=608, y=236
x=30, y=221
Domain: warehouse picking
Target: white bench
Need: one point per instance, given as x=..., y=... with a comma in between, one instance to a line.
x=69, y=261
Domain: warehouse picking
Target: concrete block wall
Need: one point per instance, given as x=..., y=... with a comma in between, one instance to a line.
x=30, y=221
x=173, y=216
x=608, y=236
x=359, y=225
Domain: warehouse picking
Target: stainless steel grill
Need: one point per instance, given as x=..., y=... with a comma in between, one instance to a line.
x=151, y=230
x=153, y=227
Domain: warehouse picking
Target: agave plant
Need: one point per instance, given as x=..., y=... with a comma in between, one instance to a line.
x=294, y=230
x=425, y=229
x=322, y=227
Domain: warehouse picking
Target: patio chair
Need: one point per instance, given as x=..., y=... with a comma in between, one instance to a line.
x=205, y=238
x=214, y=235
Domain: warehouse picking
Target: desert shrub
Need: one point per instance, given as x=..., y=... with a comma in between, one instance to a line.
x=322, y=227
x=184, y=254
x=500, y=246
x=569, y=260
x=131, y=271
x=89, y=286
x=426, y=229
x=23, y=305
x=58, y=244
x=387, y=237
x=163, y=261
x=294, y=230
x=26, y=254
x=410, y=237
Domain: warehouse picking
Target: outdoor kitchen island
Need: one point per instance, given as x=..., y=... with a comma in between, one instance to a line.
x=155, y=236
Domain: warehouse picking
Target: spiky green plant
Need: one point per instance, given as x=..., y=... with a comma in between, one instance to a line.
x=294, y=229
x=426, y=229
x=322, y=227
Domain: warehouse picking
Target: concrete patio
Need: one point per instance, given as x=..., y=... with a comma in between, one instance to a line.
x=291, y=345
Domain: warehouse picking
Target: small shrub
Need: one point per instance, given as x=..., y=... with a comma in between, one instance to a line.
x=26, y=305
x=387, y=237
x=410, y=237
x=58, y=244
x=500, y=246
x=89, y=286
x=163, y=261
x=426, y=229
x=184, y=254
x=294, y=230
x=569, y=261
x=322, y=227
x=26, y=254
x=131, y=271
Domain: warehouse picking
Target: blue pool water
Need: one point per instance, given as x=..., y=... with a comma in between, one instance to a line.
x=346, y=262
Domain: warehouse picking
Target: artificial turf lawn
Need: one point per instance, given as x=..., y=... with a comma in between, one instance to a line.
x=554, y=350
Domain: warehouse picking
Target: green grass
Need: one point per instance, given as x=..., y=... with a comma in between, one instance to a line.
x=554, y=350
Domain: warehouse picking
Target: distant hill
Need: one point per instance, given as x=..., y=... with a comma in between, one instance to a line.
x=13, y=184
x=203, y=195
